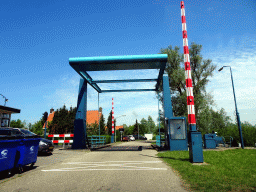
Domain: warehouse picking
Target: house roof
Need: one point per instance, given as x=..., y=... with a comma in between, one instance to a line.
x=119, y=127
x=4, y=109
x=91, y=117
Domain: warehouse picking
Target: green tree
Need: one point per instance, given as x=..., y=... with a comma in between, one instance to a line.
x=201, y=70
x=144, y=122
x=17, y=124
x=109, y=123
x=37, y=128
x=151, y=124
x=102, y=125
x=136, y=127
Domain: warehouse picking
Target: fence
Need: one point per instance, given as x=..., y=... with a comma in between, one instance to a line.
x=160, y=139
x=96, y=141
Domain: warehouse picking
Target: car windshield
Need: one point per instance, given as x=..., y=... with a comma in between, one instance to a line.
x=27, y=132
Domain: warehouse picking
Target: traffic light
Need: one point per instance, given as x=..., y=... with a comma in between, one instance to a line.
x=45, y=116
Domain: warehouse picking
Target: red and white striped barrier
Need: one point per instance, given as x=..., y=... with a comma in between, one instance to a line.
x=61, y=135
x=112, y=116
x=188, y=77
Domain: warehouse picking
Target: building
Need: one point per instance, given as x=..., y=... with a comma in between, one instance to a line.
x=92, y=116
x=5, y=115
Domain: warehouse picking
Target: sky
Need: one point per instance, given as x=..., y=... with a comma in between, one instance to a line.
x=39, y=37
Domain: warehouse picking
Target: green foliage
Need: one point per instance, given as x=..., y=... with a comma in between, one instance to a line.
x=63, y=121
x=92, y=129
x=37, y=128
x=248, y=132
x=129, y=130
x=144, y=122
x=151, y=124
x=229, y=170
x=102, y=125
x=17, y=124
x=109, y=123
x=201, y=70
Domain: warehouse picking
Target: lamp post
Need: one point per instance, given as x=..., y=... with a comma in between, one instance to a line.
x=115, y=128
x=237, y=114
x=5, y=99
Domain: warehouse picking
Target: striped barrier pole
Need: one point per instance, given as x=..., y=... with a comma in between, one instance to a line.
x=112, y=137
x=188, y=77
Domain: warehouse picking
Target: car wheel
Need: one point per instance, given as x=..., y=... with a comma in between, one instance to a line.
x=32, y=165
x=20, y=170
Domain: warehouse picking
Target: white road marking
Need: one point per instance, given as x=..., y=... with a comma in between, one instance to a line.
x=151, y=169
x=123, y=165
x=116, y=161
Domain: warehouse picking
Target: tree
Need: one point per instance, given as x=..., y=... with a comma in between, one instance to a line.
x=144, y=122
x=102, y=125
x=136, y=128
x=201, y=70
x=37, y=127
x=109, y=123
x=151, y=124
x=17, y=124
x=63, y=121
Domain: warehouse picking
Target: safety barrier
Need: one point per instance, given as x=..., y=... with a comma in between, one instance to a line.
x=62, y=141
x=94, y=140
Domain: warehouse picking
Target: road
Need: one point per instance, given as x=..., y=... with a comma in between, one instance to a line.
x=80, y=170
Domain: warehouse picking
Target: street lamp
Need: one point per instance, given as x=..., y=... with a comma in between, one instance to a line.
x=115, y=127
x=237, y=114
x=5, y=99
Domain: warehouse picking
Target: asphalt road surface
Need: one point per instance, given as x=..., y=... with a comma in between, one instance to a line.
x=80, y=170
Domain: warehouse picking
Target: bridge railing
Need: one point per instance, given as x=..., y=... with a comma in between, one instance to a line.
x=160, y=140
x=96, y=140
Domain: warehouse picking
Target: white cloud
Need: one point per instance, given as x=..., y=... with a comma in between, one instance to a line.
x=240, y=54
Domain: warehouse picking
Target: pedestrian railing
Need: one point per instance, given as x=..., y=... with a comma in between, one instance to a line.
x=228, y=140
x=160, y=140
x=96, y=141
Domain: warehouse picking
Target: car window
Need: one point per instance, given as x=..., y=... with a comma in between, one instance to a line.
x=5, y=132
x=27, y=132
x=16, y=132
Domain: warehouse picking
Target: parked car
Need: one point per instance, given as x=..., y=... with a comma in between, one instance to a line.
x=125, y=138
x=140, y=137
x=131, y=138
x=45, y=145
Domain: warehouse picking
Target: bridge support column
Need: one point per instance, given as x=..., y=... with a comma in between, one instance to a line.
x=168, y=113
x=80, y=135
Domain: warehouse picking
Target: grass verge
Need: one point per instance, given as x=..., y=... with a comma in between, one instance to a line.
x=229, y=170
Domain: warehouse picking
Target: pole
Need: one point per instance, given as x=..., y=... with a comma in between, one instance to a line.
x=112, y=136
x=99, y=112
x=138, y=131
x=237, y=114
x=158, y=117
x=195, y=138
x=45, y=129
x=188, y=77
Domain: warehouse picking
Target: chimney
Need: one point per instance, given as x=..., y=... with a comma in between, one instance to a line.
x=100, y=109
x=51, y=110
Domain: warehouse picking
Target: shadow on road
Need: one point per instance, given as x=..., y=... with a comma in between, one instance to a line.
x=44, y=154
x=179, y=159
